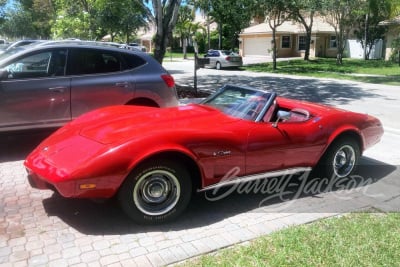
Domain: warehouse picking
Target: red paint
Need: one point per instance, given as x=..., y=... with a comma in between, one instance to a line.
x=104, y=146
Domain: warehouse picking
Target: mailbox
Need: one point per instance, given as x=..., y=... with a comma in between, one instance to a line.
x=201, y=62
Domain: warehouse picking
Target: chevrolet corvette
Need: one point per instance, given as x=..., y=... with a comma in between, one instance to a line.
x=153, y=159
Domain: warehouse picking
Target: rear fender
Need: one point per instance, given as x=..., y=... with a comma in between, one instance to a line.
x=348, y=130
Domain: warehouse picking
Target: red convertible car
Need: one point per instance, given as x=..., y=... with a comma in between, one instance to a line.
x=153, y=159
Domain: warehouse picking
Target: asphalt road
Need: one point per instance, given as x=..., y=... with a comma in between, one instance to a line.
x=39, y=228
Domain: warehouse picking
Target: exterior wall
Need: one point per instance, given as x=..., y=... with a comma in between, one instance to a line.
x=319, y=47
x=393, y=33
x=322, y=46
x=282, y=51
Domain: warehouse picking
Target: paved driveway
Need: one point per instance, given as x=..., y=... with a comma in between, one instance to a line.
x=38, y=228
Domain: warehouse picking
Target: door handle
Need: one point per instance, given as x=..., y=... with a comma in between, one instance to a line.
x=122, y=84
x=58, y=89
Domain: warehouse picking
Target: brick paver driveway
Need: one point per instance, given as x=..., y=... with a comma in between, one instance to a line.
x=39, y=228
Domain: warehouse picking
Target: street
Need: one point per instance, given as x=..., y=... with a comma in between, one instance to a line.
x=40, y=228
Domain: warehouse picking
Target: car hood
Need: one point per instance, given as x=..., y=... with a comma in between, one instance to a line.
x=121, y=123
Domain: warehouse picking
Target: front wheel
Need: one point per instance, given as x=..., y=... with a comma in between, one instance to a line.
x=341, y=158
x=156, y=193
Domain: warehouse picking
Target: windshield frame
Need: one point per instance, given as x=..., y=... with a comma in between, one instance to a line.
x=240, y=105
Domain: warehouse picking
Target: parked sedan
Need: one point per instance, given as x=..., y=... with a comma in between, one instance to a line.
x=223, y=59
x=49, y=85
x=153, y=159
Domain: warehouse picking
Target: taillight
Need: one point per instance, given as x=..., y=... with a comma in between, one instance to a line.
x=228, y=58
x=168, y=79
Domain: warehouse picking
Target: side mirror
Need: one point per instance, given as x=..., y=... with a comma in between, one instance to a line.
x=282, y=115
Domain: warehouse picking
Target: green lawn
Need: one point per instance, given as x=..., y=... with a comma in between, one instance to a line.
x=371, y=71
x=173, y=56
x=356, y=239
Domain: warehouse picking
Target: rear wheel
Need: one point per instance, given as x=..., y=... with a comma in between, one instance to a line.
x=218, y=66
x=341, y=159
x=156, y=193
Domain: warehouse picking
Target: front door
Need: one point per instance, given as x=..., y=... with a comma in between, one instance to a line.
x=289, y=145
x=31, y=96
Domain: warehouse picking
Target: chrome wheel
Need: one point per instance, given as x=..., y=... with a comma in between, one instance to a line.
x=218, y=66
x=156, y=192
x=344, y=161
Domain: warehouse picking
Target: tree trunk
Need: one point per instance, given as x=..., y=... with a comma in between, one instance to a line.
x=184, y=44
x=219, y=36
x=308, y=44
x=166, y=15
x=274, y=50
x=160, y=44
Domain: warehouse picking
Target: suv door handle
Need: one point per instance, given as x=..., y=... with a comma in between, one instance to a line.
x=58, y=89
x=122, y=84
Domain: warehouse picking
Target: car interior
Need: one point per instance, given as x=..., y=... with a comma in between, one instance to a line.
x=295, y=114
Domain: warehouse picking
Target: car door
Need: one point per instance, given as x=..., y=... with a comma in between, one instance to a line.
x=97, y=80
x=34, y=91
x=288, y=145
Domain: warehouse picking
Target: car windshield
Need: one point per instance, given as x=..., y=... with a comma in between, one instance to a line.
x=239, y=102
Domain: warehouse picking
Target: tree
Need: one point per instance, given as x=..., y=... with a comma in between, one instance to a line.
x=119, y=17
x=2, y=11
x=231, y=16
x=184, y=26
x=28, y=18
x=164, y=14
x=368, y=29
x=340, y=14
x=75, y=19
x=204, y=6
x=394, y=8
x=276, y=13
x=303, y=11
x=18, y=23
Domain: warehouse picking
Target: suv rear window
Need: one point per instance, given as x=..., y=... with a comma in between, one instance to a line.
x=132, y=61
x=90, y=61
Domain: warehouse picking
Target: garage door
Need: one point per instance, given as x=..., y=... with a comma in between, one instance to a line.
x=257, y=46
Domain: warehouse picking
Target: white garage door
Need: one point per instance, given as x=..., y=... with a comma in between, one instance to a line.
x=257, y=46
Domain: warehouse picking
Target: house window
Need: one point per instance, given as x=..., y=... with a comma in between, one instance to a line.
x=302, y=43
x=332, y=42
x=285, y=41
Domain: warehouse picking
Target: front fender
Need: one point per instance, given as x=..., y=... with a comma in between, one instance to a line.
x=152, y=152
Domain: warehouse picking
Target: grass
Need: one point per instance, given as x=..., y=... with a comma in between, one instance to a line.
x=356, y=239
x=168, y=56
x=370, y=71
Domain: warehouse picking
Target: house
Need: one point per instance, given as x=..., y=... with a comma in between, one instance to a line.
x=256, y=40
x=392, y=34
x=291, y=40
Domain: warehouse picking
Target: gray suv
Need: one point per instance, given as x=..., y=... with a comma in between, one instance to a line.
x=47, y=86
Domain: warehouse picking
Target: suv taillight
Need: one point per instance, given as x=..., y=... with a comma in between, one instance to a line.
x=168, y=79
